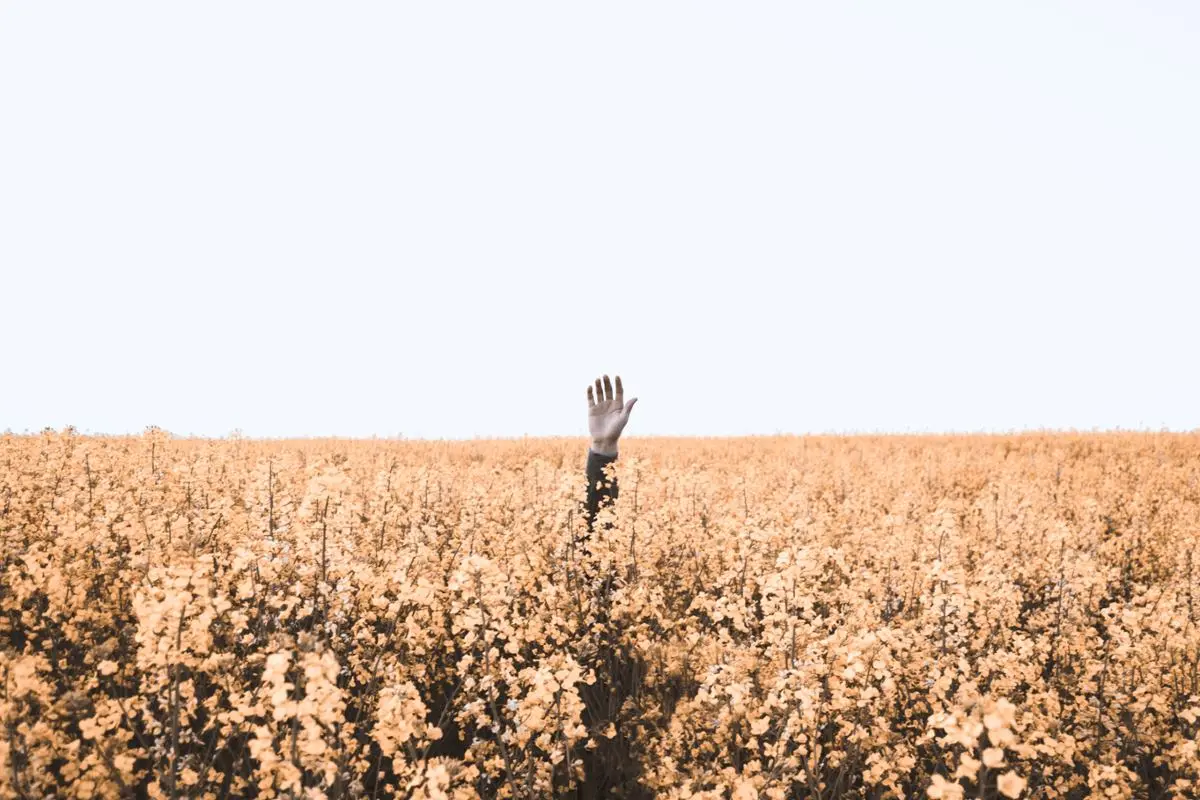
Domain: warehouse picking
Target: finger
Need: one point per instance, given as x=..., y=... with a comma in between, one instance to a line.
x=591, y=398
x=608, y=390
x=599, y=392
x=629, y=406
x=620, y=396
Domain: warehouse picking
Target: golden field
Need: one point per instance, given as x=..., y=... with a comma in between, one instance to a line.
x=1008, y=616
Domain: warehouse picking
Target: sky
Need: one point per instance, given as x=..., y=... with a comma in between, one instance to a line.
x=443, y=220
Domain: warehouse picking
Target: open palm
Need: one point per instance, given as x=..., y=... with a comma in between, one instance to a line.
x=608, y=414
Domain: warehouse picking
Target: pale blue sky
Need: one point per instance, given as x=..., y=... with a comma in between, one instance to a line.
x=444, y=219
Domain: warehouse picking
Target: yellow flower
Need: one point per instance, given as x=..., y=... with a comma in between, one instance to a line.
x=942, y=789
x=968, y=767
x=1010, y=784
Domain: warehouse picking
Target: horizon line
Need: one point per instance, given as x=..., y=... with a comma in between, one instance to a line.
x=238, y=435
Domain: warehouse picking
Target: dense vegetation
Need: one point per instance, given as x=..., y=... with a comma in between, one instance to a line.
x=786, y=617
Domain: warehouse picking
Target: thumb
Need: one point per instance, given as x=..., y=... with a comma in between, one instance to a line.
x=629, y=406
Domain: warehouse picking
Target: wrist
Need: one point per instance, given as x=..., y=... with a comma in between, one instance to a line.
x=604, y=447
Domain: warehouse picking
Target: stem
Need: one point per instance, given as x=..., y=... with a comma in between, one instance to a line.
x=174, y=765
x=487, y=661
x=271, y=499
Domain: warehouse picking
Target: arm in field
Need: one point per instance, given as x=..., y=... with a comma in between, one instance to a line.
x=600, y=490
x=608, y=414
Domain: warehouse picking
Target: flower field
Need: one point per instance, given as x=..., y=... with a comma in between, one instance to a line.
x=972, y=616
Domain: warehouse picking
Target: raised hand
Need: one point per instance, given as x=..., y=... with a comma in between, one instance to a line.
x=608, y=413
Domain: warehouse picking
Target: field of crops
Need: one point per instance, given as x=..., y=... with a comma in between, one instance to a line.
x=784, y=617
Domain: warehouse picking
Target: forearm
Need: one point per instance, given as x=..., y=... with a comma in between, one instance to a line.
x=600, y=490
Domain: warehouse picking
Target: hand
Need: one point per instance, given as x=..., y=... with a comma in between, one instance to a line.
x=608, y=413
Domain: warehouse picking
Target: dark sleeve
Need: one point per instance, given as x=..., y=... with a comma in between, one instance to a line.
x=600, y=490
